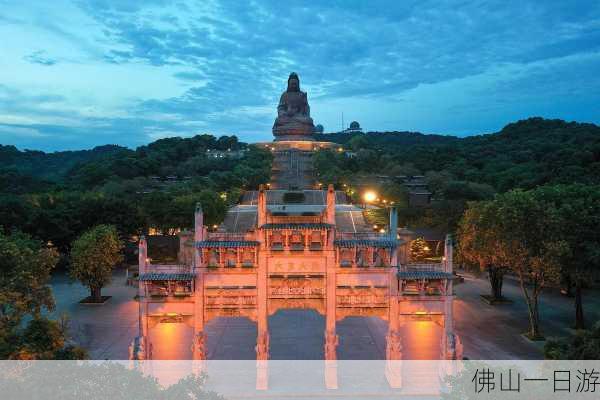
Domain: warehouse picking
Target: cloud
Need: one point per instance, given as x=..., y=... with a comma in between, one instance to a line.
x=39, y=57
x=220, y=66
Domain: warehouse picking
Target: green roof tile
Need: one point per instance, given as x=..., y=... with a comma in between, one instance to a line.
x=424, y=275
x=167, y=276
x=365, y=243
x=296, y=225
x=225, y=243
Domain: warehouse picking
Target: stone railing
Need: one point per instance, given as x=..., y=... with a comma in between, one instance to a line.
x=422, y=267
x=411, y=267
x=361, y=236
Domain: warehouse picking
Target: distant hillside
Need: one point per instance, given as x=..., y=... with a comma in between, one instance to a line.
x=161, y=157
x=52, y=166
x=523, y=154
x=384, y=139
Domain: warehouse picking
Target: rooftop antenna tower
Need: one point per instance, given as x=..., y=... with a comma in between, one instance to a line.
x=342, y=121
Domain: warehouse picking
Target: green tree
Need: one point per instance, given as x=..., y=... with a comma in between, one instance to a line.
x=93, y=256
x=25, y=266
x=45, y=339
x=527, y=244
x=358, y=142
x=578, y=212
x=477, y=240
x=419, y=250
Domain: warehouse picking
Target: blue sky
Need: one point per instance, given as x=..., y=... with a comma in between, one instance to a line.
x=76, y=74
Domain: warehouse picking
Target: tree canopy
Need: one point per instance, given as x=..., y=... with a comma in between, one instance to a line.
x=25, y=266
x=93, y=257
x=57, y=196
x=25, y=293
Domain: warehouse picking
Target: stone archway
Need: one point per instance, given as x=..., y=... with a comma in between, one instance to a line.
x=361, y=338
x=230, y=338
x=170, y=338
x=296, y=334
x=421, y=337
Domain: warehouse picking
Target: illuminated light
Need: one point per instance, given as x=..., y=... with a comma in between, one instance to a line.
x=340, y=150
x=345, y=185
x=215, y=226
x=385, y=201
x=375, y=227
x=426, y=248
x=392, y=202
x=370, y=196
x=420, y=312
x=382, y=230
x=172, y=314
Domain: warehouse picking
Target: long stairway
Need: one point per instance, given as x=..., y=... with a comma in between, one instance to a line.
x=292, y=170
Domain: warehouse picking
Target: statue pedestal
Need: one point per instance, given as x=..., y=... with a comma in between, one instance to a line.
x=296, y=144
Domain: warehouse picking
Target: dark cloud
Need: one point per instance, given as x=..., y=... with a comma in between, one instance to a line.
x=39, y=57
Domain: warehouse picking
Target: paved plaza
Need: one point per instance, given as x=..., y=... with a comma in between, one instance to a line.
x=487, y=332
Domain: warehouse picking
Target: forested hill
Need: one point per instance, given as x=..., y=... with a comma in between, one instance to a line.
x=523, y=154
x=55, y=197
x=55, y=166
x=26, y=171
x=386, y=139
x=52, y=165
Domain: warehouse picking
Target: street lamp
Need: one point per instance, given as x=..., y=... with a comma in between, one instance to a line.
x=369, y=196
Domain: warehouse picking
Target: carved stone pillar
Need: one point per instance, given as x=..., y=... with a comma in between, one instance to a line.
x=198, y=346
x=393, y=355
x=261, y=206
x=331, y=338
x=198, y=339
x=451, y=345
x=330, y=209
x=262, y=360
x=262, y=346
x=448, y=254
x=393, y=349
x=262, y=339
x=139, y=349
x=331, y=343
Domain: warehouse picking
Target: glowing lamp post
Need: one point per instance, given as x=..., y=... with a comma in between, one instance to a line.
x=369, y=197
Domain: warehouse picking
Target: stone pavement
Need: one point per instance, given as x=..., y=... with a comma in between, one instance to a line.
x=487, y=332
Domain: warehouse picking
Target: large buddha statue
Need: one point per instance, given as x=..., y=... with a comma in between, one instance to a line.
x=293, y=120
